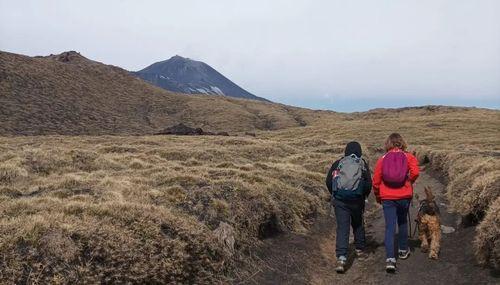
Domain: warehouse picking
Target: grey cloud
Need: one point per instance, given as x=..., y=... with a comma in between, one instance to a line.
x=321, y=54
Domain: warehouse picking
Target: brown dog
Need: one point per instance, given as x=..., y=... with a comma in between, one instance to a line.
x=429, y=225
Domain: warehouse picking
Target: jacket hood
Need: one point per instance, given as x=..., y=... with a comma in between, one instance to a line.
x=353, y=148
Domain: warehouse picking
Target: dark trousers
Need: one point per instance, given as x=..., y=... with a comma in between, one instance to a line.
x=347, y=214
x=396, y=212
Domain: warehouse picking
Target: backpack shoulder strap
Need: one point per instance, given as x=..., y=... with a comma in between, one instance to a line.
x=341, y=160
x=364, y=164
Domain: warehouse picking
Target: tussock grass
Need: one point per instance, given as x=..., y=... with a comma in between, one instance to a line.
x=146, y=209
x=473, y=190
x=487, y=241
x=189, y=209
x=81, y=242
x=10, y=173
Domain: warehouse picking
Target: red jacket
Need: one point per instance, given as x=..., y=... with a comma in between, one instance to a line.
x=382, y=192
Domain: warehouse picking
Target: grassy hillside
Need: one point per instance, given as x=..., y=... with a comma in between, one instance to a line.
x=186, y=209
x=70, y=94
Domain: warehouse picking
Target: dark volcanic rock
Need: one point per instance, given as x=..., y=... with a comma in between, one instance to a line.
x=66, y=57
x=183, y=130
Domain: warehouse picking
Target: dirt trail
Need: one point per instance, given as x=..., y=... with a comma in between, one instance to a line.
x=310, y=259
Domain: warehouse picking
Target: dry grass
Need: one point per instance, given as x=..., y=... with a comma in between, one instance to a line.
x=185, y=209
x=487, y=242
x=43, y=96
x=145, y=209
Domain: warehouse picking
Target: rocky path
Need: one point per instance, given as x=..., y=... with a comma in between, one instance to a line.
x=310, y=259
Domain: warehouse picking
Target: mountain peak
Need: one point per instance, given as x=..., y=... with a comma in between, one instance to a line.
x=184, y=75
x=179, y=57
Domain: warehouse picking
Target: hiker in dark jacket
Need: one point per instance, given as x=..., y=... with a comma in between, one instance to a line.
x=349, y=181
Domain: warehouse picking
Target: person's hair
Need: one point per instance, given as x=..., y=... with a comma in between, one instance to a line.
x=395, y=140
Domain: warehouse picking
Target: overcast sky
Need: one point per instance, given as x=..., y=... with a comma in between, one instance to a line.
x=341, y=55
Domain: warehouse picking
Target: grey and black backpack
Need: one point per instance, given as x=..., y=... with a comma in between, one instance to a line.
x=347, y=179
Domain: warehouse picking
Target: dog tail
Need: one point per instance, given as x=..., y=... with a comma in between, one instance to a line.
x=428, y=193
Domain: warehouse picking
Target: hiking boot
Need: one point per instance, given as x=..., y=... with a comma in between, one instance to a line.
x=390, y=265
x=340, y=266
x=403, y=254
x=361, y=254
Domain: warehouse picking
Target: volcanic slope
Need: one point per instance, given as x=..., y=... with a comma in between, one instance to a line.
x=70, y=94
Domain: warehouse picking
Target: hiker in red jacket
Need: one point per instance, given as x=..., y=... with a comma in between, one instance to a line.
x=393, y=179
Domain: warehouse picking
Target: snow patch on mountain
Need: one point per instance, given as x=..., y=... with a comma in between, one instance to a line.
x=217, y=90
x=202, y=90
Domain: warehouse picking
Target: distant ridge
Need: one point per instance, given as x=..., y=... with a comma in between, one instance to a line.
x=69, y=94
x=184, y=75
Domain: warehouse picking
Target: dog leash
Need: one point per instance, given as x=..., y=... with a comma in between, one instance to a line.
x=410, y=233
x=416, y=222
x=409, y=222
x=410, y=205
x=415, y=230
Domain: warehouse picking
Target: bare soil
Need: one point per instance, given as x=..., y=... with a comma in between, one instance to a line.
x=310, y=258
